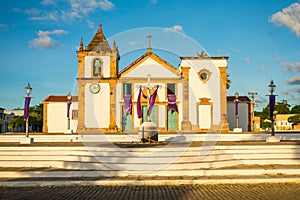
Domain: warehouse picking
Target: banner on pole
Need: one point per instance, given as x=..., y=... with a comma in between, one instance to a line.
x=272, y=105
x=26, y=107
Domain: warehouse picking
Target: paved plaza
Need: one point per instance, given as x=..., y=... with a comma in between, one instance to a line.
x=280, y=191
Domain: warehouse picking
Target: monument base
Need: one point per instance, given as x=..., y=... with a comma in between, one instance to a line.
x=148, y=132
x=237, y=130
x=186, y=125
x=26, y=140
x=273, y=139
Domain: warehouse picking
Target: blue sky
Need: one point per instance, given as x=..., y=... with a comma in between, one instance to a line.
x=39, y=39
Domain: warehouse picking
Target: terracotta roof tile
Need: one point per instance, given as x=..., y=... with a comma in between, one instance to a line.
x=53, y=98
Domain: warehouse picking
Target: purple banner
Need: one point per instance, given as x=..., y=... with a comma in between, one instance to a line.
x=127, y=105
x=236, y=103
x=26, y=107
x=152, y=101
x=139, y=105
x=172, y=103
x=272, y=104
x=68, y=108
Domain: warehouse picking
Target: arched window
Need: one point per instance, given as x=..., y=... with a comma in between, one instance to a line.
x=97, y=65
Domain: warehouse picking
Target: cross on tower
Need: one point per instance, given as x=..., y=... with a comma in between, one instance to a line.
x=149, y=42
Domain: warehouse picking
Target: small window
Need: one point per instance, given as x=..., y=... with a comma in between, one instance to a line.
x=204, y=75
x=97, y=64
x=74, y=114
x=127, y=89
x=171, y=88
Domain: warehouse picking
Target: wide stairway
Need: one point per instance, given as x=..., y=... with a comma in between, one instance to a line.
x=156, y=163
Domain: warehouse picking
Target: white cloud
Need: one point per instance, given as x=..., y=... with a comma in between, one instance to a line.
x=3, y=27
x=154, y=1
x=133, y=43
x=293, y=93
x=47, y=2
x=44, y=41
x=48, y=16
x=294, y=80
x=291, y=67
x=174, y=28
x=106, y=5
x=32, y=11
x=78, y=9
x=289, y=17
x=247, y=60
x=16, y=10
x=262, y=68
x=90, y=24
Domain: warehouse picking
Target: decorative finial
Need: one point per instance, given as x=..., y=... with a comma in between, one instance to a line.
x=203, y=54
x=81, y=45
x=115, y=44
x=149, y=42
x=99, y=26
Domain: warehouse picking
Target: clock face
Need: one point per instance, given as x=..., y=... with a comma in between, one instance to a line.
x=95, y=88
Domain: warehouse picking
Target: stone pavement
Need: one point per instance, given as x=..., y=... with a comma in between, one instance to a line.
x=280, y=191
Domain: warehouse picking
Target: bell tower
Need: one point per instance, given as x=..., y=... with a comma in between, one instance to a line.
x=98, y=68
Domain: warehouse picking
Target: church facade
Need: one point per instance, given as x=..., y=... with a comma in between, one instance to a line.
x=191, y=97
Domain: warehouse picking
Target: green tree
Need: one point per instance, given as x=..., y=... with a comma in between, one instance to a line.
x=295, y=109
x=36, y=117
x=228, y=81
x=294, y=119
x=17, y=121
x=283, y=107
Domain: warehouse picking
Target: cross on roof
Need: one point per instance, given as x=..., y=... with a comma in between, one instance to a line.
x=149, y=41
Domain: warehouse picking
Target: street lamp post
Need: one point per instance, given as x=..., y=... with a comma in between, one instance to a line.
x=28, y=91
x=236, y=103
x=69, y=102
x=272, y=88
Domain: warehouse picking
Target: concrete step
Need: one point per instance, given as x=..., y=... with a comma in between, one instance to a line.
x=168, y=173
x=133, y=137
x=181, y=164
x=133, y=158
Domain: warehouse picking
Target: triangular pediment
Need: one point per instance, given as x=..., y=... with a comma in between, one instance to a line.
x=150, y=63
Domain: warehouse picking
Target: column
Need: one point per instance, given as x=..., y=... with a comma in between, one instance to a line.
x=185, y=124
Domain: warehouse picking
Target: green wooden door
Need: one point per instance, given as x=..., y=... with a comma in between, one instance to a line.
x=152, y=116
x=172, y=125
x=126, y=121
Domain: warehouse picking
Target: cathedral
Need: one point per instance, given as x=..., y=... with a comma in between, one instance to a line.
x=189, y=98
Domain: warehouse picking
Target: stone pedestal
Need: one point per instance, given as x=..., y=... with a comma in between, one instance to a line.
x=26, y=140
x=186, y=125
x=148, y=132
x=237, y=130
x=273, y=139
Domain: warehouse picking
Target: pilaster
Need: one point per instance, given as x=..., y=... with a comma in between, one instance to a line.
x=112, y=120
x=81, y=106
x=45, y=121
x=223, y=99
